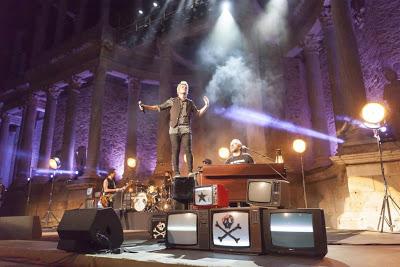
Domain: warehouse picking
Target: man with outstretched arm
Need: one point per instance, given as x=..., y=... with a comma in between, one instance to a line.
x=181, y=111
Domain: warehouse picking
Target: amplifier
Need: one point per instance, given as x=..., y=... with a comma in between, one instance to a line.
x=182, y=189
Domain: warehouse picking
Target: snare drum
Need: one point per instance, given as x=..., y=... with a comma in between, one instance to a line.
x=140, y=201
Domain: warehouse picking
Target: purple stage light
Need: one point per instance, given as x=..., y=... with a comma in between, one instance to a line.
x=261, y=119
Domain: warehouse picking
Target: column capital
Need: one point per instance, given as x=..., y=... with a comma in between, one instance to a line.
x=326, y=17
x=54, y=91
x=311, y=43
x=76, y=82
x=132, y=81
x=32, y=98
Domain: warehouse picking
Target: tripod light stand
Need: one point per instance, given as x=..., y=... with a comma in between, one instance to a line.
x=299, y=146
x=373, y=114
x=54, y=164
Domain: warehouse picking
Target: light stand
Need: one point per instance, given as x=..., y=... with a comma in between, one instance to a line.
x=49, y=212
x=55, y=164
x=28, y=198
x=299, y=146
x=304, y=181
x=387, y=196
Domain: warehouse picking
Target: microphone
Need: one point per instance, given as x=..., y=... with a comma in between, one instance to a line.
x=141, y=106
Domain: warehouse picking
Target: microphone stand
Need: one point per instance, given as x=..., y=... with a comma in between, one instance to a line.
x=269, y=164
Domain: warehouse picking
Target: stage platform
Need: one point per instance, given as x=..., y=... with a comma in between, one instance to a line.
x=347, y=248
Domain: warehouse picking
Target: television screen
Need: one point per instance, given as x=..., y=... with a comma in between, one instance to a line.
x=293, y=230
x=296, y=231
x=188, y=229
x=231, y=229
x=264, y=192
x=236, y=230
x=260, y=191
x=182, y=228
x=211, y=196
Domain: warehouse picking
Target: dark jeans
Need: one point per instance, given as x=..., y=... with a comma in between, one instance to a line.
x=186, y=140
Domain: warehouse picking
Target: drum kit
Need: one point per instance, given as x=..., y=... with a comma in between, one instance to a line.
x=149, y=198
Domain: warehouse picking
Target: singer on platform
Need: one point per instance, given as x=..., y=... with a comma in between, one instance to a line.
x=237, y=154
x=181, y=111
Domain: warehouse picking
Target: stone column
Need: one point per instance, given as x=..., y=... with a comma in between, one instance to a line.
x=255, y=134
x=4, y=133
x=68, y=144
x=46, y=140
x=24, y=151
x=133, y=86
x=96, y=114
x=163, y=142
x=351, y=80
x=40, y=27
x=274, y=86
x=321, y=148
x=105, y=12
x=60, y=24
x=80, y=20
x=333, y=64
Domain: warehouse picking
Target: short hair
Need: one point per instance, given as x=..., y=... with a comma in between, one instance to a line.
x=183, y=83
x=236, y=141
x=111, y=171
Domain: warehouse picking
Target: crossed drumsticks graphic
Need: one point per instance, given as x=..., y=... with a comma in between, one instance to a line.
x=228, y=233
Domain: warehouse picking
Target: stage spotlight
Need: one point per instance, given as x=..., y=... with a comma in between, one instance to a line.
x=299, y=146
x=225, y=6
x=155, y=4
x=131, y=162
x=55, y=163
x=140, y=12
x=223, y=153
x=373, y=114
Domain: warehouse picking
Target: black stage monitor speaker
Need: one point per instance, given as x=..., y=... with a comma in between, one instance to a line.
x=20, y=227
x=89, y=230
x=182, y=189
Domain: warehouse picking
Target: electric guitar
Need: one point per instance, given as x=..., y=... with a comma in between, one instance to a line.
x=107, y=198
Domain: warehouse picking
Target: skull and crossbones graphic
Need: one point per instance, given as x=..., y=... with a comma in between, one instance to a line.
x=159, y=230
x=227, y=222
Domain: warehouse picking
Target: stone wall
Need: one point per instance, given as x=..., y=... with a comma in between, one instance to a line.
x=114, y=128
x=351, y=193
x=378, y=42
x=83, y=116
x=36, y=140
x=59, y=125
x=147, y=132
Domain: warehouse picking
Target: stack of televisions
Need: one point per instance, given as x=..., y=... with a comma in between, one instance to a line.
x=261, y=228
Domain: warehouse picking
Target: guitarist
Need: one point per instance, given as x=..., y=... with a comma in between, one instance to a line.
x=109, y=189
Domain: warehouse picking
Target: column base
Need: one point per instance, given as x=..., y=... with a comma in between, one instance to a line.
x=356, y=140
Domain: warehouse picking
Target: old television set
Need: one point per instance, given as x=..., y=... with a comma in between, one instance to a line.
x=210, y=196
x=295, y=231
x=188, y=229
x=236, y=230
x=264, y=192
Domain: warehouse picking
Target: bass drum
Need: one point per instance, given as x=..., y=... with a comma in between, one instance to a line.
x=140, y=201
